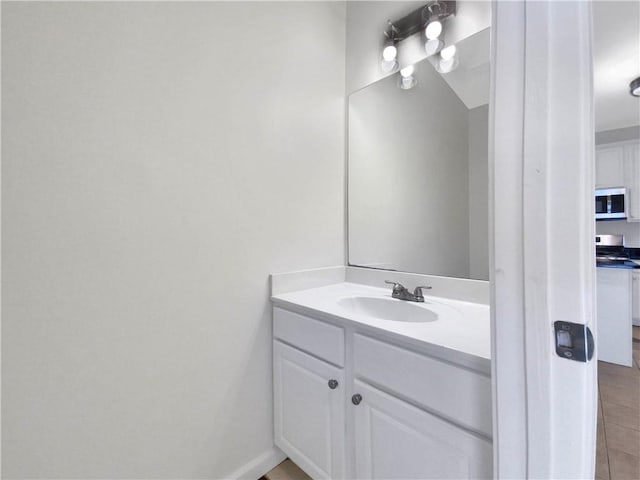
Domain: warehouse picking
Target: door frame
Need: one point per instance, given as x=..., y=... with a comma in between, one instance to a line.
x=542, y=227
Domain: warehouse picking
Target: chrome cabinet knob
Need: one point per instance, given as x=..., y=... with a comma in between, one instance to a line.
x=356, y=399
x=333, y=384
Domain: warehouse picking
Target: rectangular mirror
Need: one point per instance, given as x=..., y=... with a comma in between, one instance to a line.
x=418, y=168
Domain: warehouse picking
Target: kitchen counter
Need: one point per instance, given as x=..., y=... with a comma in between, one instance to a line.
x=629, y=264
x=461, y=334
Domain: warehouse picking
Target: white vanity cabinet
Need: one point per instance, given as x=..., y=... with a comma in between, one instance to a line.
x=308, y=389
x=391, y=412
x=309, y=411
x=394, y=439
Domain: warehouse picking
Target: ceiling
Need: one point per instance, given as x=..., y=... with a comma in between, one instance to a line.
x=616, y=52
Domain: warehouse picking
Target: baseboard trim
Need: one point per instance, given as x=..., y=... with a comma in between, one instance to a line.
x=257, y=467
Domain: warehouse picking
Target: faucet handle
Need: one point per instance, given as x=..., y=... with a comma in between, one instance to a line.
x=397, y=287
x=418, y=291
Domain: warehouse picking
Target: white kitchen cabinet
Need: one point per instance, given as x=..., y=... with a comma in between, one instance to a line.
x=618, y=165
x=614, y=338
x=610, y=166
x=632, y=162
x=395, y=440
x=309, y=412
x=635, y=276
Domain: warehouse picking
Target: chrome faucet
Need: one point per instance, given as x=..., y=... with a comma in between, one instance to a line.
x=400, y=292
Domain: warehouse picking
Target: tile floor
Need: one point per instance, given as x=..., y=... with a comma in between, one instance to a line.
x=287, y=470
x=618, y=451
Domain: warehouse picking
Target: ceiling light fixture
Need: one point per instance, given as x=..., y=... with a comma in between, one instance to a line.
x=634, y=87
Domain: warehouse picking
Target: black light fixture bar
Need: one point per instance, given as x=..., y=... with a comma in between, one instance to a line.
x=418, y=19
x=634, y=87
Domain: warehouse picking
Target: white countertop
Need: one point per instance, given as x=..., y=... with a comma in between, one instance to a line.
x=462, y=327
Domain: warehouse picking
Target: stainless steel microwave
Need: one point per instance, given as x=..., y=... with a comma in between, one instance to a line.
x=611, y=203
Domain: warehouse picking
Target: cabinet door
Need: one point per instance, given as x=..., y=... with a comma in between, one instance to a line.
x=636, y=298
x=309, y=414
x=395, y=440
x=610, y=167
x=614, y=337
x=633, y=182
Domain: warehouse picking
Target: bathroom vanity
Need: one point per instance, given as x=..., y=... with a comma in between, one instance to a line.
x=370, y=387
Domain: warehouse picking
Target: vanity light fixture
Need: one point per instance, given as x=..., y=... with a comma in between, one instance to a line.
x=434, y=29
x=434, y=13
x=407, y=71
x=431, y=47
x=634, y=87
x=407, y=80
x=448, y=60
x=389, y=60
x=427, y=20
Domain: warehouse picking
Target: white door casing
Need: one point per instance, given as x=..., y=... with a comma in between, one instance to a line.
x=542, y=227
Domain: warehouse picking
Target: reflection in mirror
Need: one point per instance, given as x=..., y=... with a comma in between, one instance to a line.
x=418, y=169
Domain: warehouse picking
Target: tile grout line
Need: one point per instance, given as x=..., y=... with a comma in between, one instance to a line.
x=604, y=429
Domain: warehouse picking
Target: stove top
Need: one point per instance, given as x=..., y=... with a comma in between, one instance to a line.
x=610, y=252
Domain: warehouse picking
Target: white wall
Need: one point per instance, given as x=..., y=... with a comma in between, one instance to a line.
x=159, y=161
x=479, y=193
x=630, y=230
x=408, y=177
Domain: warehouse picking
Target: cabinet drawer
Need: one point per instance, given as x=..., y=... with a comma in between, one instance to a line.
x=318, y=338
x=456, y=393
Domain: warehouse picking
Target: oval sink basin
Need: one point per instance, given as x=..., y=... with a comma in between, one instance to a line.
x=388, y=309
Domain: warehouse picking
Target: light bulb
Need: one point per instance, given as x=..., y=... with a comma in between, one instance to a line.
x=389, y=53
x=388, y=67
x=433, y=30
x=448, y=53
x=407, y=71
x=448, y=65
x=407, y=83
x=431, y=47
